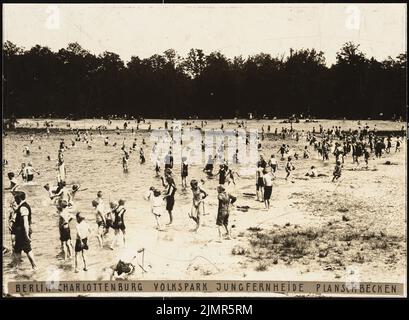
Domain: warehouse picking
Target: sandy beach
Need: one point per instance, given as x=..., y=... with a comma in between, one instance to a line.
x=315, y=229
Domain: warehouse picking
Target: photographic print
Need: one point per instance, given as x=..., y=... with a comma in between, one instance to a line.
x=204, y=150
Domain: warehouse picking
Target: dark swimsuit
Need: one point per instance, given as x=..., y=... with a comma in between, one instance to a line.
x=119, y=223
x=170, y=199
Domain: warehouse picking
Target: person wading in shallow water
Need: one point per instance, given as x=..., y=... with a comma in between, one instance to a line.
x=268, y=187
x=170, y=192
x=223, y=211
x=118, y=211
x=337, y=171
x=21, y=228
x=184, y=172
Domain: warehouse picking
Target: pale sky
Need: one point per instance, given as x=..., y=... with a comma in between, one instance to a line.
x=143, y=30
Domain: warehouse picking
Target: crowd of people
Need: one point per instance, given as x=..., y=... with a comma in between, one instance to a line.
x=330, y=145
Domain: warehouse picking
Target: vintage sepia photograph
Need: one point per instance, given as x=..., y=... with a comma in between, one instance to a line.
x=204, y=150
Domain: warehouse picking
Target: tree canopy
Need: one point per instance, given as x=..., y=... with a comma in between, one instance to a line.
x=73, y=82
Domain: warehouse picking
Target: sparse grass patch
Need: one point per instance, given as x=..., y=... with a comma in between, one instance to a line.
x=261, y=266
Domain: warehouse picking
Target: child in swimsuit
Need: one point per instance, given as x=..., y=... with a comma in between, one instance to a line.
x=119, y=223
x=156, y=205
x=30, y=172
x=184, y=172
x=198, y=205
x=125, y=159
x=81, y=244
x=306, y=153
x=337, y=171
x=289, y=167
x=222, y=174
x=100, y=220
x=13, y=182
x=23, y=172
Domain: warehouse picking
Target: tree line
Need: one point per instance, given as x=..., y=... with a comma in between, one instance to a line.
x=76, y=83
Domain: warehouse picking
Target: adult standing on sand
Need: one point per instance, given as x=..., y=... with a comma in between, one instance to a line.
x=223, y=211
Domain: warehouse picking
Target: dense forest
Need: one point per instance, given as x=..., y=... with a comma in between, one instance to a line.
x=75, y=83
